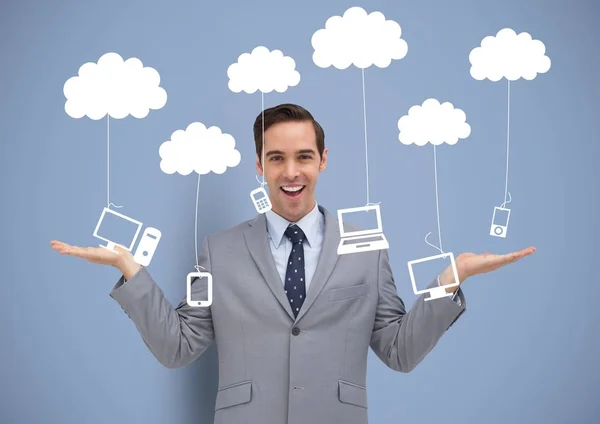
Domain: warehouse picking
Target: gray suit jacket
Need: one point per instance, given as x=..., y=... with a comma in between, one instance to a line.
x=274, y=368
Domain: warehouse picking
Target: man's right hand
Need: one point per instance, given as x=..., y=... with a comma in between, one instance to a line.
x=119, y=258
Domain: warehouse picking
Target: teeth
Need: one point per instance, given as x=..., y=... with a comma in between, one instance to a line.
x=292, y=188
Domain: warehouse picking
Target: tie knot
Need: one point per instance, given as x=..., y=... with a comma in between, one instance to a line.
x=295, y=234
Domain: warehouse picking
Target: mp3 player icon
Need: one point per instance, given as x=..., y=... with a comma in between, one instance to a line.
x=499, y=222
x=147, y=247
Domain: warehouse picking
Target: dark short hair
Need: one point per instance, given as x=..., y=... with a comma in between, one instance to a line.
x=286, y=112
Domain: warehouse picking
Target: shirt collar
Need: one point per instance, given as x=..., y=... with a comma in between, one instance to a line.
x=309, y=224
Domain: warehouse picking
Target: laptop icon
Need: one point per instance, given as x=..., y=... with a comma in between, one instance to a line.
x=369, y=237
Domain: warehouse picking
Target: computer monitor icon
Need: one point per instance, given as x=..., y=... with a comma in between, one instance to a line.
x=434, y=292
x=115, y=228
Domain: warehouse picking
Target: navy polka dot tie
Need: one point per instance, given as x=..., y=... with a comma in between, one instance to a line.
x=294, y=275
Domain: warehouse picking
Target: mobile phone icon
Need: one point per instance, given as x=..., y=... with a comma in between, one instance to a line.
x=199, y=289
x=261, y=200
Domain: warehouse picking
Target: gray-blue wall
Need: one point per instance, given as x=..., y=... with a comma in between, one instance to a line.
x=527, y=349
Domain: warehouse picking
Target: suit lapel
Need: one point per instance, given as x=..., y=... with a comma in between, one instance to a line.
x=258, y=245
x=327, y=260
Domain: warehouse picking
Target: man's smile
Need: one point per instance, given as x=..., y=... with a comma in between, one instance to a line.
x=292, y=191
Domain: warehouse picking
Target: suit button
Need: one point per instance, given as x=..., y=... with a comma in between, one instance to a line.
x=295, y=331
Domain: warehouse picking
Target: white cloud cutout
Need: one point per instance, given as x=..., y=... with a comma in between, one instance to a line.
x=114, y=87
x=434, y=123
x=358, y=39
x=263, y=70
x=198, y=149
x=510, y=56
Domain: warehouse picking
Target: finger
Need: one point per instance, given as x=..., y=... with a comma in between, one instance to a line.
x=62, y=248
x=509, y=258
x=492, y=261
x=527, y=251
x=58, y=244
x=79, y=252
x=120, y=249
x=515, y=256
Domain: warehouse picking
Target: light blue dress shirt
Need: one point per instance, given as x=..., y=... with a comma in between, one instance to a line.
x=313, y=226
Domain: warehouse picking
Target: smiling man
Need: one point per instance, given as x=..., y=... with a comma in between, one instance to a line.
x=292, y=320
x=294, y=157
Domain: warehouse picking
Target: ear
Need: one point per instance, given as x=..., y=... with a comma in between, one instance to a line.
x=323, y=163
x=258, y=166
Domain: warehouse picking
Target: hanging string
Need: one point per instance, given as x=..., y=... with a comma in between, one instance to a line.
x=507, y=148
x=262, y=108
x=196, y=225
x=108, y=202
x=366, y=142
x=365, y=128
x=437, y=208
x=505, y=203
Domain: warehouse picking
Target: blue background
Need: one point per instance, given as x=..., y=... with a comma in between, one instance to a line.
x=527, y=349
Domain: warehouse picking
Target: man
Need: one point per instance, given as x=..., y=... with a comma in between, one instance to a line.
x=292, y=320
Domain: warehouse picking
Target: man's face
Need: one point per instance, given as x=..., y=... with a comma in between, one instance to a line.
x=291, y=169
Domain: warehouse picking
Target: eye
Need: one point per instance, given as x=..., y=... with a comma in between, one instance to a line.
x=308, y=157
x=274, y=158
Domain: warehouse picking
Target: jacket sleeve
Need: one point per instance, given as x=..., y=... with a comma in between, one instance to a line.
x=176, y=336
x=402, y=339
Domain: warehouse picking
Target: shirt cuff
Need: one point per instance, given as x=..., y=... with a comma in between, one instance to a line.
x=455, y=297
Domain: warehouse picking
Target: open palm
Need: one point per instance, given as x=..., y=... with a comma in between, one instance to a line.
x=97, y=255
x=470, y=264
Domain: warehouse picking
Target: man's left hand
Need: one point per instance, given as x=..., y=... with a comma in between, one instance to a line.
x=470, y=264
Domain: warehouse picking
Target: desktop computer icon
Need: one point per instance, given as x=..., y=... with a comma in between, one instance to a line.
x=499, y=222
x=434, y=292
x=361, y=240
x=115, y=228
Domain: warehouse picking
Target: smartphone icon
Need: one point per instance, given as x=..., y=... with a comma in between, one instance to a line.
x=261, y=200
x=199, y=289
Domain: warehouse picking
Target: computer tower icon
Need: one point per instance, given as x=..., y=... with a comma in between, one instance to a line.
x=499, y=222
